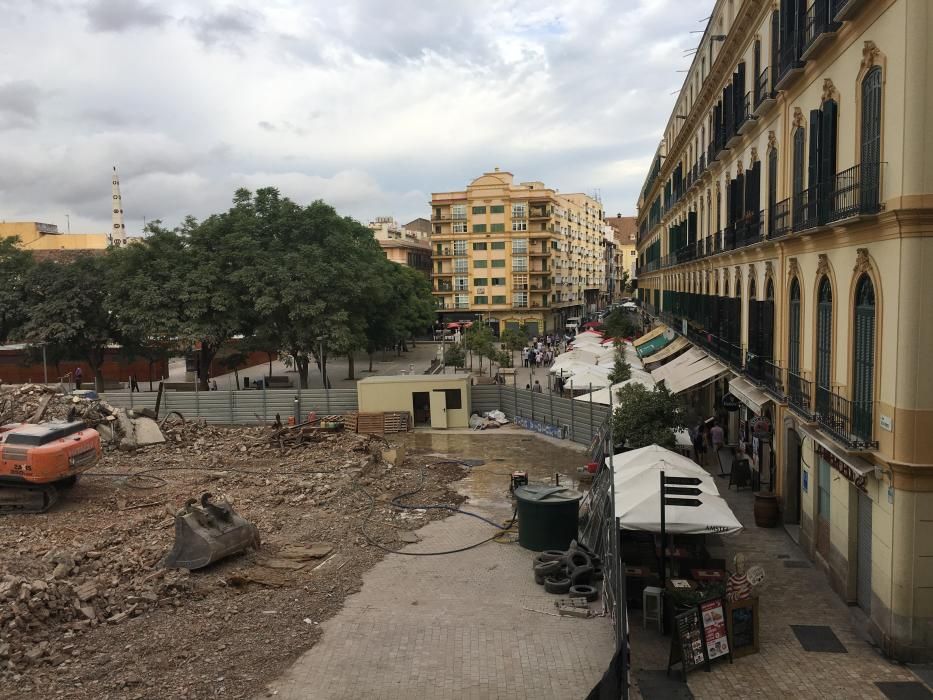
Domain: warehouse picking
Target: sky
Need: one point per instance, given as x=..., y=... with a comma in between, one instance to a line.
x=370, y=105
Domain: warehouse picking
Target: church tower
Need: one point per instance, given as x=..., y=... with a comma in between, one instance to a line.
x=118, y=230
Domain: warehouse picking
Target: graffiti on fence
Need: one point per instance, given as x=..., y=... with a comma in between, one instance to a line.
x=554, y=431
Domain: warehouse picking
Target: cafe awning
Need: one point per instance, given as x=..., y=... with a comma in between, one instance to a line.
x=696, y=374
x=649, y=336
x=678, y=344
x=747, y=393
x=665, y=371
x=603, y=395
x=655, y=344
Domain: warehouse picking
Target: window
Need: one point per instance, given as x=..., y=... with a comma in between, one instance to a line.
x=458, y=211
x=871, y=137
x=520, y=211
x=497, y=245
x=863, y=373
x=501, y=299
x=480, y=300
x=479, y=210
x=479, y=228
x=520, y=281
x=519, y=225
x=437, y=211
x=479, y=281
x=824, y=345
x=498, y=281
x=462, y=301
x=461, y=284
x=772, y=188
x=479, y=263
x=459, y=227
x=452, y=399
x=520, y=264
x=498, y=263
x=460, y=265
x=497, y=228
x=497, y=209
x=800, y=145
x=793, y=323
x=520, y=299
x=479, y=246
x=460, y=247
x=519, y=246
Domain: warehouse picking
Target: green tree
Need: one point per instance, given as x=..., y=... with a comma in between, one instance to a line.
x=454, y=356
x=513, y=341
x=621, y=370
x=478, y=340
x=14, y=269
x=620, y=324
x=69, y=306
x=647, y=417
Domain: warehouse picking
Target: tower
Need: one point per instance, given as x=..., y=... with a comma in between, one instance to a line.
x=117, y=234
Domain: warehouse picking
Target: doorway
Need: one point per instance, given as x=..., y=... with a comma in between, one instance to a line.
x=863, y=578
x=792, y=479
x=421, y=407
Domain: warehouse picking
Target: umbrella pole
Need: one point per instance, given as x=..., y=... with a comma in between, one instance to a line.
x=663, y=538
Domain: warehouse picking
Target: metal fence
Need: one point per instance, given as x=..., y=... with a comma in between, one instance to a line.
x=247, y=407
x=580, y=421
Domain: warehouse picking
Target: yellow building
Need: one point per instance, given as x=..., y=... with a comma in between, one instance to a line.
x=36, y=236
x=516, y=254
x=624, y=230
x=786, y=226
x=406, y=245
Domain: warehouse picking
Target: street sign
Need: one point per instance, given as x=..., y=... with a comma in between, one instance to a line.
x=682, y=480
x=675, y=486
x=730, y=402
x=681, y=491
x=685, y=502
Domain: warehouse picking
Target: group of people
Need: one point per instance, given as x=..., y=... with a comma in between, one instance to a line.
x=541, y=351
x=708, y=438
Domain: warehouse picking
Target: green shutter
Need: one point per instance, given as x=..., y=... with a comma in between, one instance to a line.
x=864, y=360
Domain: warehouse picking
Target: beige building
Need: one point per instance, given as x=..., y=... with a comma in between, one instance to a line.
x=406, y=245
x=44, y=237
x=786, y=226
x=514, y=254
x=624, y=231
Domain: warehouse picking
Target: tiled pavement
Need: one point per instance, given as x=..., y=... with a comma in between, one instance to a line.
x=790, y=596
x=467, y=626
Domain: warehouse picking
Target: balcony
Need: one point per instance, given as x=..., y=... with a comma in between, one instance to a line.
x=749, y=230
x=539, y=213
x=780, y=222
x=799, y=391
x=854, y=192
x=806, y=209
x=791, y=65
x=440, y=287
x=849, y=422
x=747, y=116
x=764, y=95
x=443, y=253
x=819, y=28
x=842, y=10
x=773, y=380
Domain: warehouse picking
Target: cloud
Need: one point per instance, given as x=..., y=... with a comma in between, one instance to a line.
x=227, y=28
x=109, y=16
x=19, y=104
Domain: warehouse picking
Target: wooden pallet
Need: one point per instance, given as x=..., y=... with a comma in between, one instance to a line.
x=378, y=423
x=397, y=422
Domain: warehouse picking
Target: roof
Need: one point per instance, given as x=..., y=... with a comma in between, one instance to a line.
x=626, y=228
x=412, y=378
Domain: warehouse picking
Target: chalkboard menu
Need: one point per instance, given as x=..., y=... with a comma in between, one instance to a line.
x=742, y=624
x=687, y=644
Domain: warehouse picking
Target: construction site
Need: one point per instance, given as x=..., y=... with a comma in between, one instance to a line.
x=189, y=560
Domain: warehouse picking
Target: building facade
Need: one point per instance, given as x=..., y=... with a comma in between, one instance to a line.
x=406, y=245
x=786, y=227
x=625, y=235
x=36, y=236
x=516, y=254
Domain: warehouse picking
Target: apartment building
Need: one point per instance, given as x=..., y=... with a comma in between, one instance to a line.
x=512, y=254
x=786, y=228
x=406, y=245
x=624, y=231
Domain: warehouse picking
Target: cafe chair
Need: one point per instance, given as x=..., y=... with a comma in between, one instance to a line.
x=652, y=607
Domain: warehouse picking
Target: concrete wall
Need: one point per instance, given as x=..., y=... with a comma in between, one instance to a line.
x=378, y=394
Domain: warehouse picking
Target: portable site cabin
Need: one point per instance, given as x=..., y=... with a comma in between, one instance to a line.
x=438, y=401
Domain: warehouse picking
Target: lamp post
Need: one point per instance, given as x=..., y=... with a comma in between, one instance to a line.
x=320, y=357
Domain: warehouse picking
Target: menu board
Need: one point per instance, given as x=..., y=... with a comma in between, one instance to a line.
x=714, y=628
x=687, y=643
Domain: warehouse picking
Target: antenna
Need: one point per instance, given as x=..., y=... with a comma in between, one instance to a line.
x=118, y=229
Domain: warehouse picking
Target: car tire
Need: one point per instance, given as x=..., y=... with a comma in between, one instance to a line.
x=583, y=591
x=548, y=568
x=558, y=586
x=582, y=575
x=551, y=555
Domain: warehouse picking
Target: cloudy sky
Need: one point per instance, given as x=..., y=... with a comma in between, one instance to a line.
x=368, y=104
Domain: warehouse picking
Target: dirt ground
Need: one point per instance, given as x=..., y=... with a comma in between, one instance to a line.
x=86, y=611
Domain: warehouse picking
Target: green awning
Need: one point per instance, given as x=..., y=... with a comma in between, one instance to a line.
x=653, y=345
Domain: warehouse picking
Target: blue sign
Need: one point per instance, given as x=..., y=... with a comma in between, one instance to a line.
x=806, y=481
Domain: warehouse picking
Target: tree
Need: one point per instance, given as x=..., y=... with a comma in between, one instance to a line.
x=647, y=417
x=478, y=340
x=14, y=268
x=454, y=356
x=621, y=370
x=513, y=341
x=69, y=306
x=620, y=324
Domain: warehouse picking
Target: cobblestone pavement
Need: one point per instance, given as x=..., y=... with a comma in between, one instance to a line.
x=467, y=626
x=790, y=596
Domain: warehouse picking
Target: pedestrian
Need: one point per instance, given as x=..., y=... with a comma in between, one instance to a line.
x=699, y=443
x=716, y=437
x=134, y=384
x=213, y=385
x=524, y=357
x=78, y=375
x=537, y=387
x=559, y=385
x=527, y=387
x=539, y=357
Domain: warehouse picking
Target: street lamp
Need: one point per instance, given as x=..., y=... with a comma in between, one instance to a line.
x=320, y=357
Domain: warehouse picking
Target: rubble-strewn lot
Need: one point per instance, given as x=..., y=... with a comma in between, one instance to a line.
x=87, y=612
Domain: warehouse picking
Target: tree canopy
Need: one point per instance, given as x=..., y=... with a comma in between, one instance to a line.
x=647, y=417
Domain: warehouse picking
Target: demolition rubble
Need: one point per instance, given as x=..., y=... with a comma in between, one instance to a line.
x=87, y=608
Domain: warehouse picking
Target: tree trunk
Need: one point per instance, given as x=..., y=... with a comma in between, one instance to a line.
x=370, y=362
x=350, y=365
x=323, y=363
x=301, y=364
x=205, y=357
x=270, y=364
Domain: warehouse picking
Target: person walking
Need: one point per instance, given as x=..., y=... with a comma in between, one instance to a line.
x=717, y=439
x=79, y=376
x=699, y=443
x=134, y=384
x=537, y=387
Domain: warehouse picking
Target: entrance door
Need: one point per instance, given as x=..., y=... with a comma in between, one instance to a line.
x=421, y=407
x=863, y=581
x=824, y=502
x=792, y=482
x=438, y=409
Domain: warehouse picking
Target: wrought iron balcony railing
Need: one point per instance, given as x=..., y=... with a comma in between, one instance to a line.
x=799, y=392
x=850, y=422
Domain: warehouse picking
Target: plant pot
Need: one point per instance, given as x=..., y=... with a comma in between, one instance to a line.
x=766, y=510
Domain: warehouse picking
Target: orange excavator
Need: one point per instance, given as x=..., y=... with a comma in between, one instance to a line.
x=38, y=461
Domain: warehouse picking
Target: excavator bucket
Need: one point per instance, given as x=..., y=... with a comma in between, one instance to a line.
x=207, y=532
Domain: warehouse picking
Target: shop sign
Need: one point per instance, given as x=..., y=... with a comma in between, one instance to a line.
x=730, y=402
x=847, y=471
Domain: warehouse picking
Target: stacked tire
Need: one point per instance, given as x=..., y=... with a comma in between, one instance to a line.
x=572, y=572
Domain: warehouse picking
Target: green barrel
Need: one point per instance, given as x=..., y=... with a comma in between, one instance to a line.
x=548, y=516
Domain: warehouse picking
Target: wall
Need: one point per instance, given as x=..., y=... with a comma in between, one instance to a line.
x=377, y=394
x=17, y=367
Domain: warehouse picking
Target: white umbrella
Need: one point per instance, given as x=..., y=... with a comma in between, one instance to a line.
x=629, y=305
x=592, y=376
x=602, y=396
x=645, y=458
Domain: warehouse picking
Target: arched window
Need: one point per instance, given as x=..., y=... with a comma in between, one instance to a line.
x=863, y=372
x=871, y=139
x=772, y=188
x=824, y=345
x=793, y=329
x=800, y=154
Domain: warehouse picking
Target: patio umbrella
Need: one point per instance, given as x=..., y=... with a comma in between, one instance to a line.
x=629, y=305
x=453, y=325
x=593, y=324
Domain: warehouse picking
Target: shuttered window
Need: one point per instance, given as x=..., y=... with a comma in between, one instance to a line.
x=793, y=323
x=824, y=340
x=864, y=358
x=772, y=188
x=871, y=139
x=800, y=144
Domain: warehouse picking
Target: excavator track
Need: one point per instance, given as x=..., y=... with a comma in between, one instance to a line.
x=15, y=500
